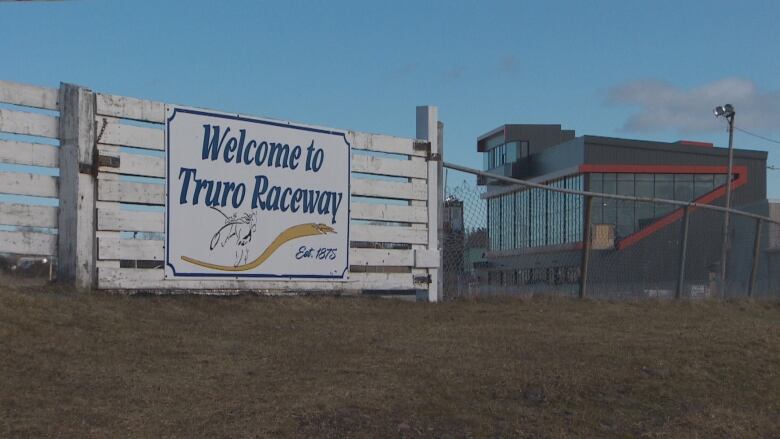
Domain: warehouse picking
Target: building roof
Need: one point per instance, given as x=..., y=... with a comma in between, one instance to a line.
x=680, y=145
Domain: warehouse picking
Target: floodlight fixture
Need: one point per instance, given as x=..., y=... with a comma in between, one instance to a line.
x=724, y=111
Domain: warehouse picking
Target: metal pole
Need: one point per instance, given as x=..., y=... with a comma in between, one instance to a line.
x=585, y=248
x=683, y=252
x=756, y=254
x=725, y=245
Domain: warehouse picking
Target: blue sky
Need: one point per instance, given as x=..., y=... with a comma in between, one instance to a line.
x=650, y=70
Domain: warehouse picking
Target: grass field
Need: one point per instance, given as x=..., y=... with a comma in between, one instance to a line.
x=114, y=366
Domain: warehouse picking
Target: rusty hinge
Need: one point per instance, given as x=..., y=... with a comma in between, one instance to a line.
x=108, y=161
x=422, y=279
x=86, y=169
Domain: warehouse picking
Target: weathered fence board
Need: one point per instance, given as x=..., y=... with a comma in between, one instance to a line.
x=129, y=108
x=415, y=190
x=383, y=143
x=26, y=153
x=119, y=134
x=28, y=95
x=36, y=185
x=381, y=257
x=131, y=249
x=28, y=243
x=130, y=221
x=12, y=214
x=153, y=279
x=397, y=234
x=389, y=212
x=131, y=192
x=392, y=167
x=135, y=164
x=29, y=124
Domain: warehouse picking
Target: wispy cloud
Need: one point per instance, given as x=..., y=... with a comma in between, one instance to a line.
x=663, y=106
x=454, y=73
x=509, y=65
x=407, y=69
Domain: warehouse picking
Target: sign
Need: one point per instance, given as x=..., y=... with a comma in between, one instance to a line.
x=250, y=198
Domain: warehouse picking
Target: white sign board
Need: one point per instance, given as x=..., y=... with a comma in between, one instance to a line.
x=255, y=199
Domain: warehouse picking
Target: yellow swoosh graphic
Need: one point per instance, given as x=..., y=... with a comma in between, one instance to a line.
x=294, y=232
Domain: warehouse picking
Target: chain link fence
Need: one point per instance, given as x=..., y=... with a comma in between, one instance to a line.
x=520, y=240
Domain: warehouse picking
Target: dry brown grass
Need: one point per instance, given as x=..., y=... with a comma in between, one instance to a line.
x=115, y=366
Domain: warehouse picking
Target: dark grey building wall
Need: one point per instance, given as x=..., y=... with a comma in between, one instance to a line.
x=601, y=151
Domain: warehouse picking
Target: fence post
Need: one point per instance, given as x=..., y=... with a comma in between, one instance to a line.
x=76, y=223
x=586, y=241
x=428, y=129
x=756, y=254
x=683, y=252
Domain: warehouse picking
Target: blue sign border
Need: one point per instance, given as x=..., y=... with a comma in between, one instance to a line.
x=264, y=122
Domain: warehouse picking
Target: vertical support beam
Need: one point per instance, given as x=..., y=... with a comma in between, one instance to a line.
x=756, y=254
x=76, y=241
x=683, y=252
x=428, y=129
x=586, y=242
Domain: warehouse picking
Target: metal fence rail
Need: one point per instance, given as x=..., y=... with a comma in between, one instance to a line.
x=675, y=255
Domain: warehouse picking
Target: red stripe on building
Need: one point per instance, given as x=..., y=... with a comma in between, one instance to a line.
x=695, y=143
x=662, y=169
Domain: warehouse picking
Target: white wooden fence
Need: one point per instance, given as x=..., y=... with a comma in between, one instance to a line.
x=115, y=195
x=34, y=226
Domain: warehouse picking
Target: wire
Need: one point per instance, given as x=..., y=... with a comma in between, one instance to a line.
x=757, y=135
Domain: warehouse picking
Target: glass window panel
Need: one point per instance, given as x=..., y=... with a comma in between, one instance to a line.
x=609, y=216
x=625, y=208
x=645, y=215
x=683, y=187
x=625, y=218
x=595, y=182
x=573, y=225
x=557, y=214
x=610, y=183
x=510, y=221
x=512, y=153
x=644, y=185
x=625, y=184
x=524, y=149
x=543, y=219
x=664, y=188
x=597, y=211
x=534, y=217
x=702, y=184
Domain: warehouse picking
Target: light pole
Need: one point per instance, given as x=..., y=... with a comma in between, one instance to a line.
x=728, y=112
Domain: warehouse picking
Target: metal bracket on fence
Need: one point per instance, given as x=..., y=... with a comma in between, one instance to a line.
x=422, y=279
x=435, y=157
x=422, y=145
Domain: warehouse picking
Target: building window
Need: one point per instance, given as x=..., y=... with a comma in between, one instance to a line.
x=536, y=217
x=629, y=216
x=501, y=154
